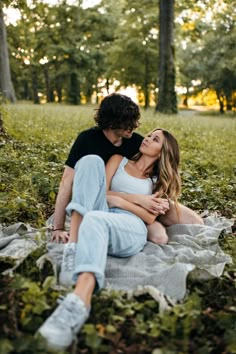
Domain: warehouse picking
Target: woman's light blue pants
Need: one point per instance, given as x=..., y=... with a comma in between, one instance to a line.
x=103, y=231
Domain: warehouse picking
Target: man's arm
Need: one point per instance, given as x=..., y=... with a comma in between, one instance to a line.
x=63, y=199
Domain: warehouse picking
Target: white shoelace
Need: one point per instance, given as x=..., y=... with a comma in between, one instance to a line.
x=69, y=260
x=70, y=314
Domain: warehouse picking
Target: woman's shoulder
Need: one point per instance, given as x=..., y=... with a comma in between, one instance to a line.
x=114, y=160
x=117, y=158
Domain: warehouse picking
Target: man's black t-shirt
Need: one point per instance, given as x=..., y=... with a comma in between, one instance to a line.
x=94, y=142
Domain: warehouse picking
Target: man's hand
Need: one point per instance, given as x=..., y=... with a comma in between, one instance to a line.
x=63, y=199
x=60, y=236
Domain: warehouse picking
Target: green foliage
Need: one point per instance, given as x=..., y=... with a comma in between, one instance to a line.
x=207, y=53
x=60, y=50
x=65, y=52
x=21, y=306
x=133, y=56
x=28, y=186
x=203, y=323
x=32, y=162
x=31, y=165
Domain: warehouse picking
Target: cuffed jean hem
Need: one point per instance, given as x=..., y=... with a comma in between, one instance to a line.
x=72, y=206
x=88, y=268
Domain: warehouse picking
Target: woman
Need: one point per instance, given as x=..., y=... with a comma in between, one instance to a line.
x=112, y=224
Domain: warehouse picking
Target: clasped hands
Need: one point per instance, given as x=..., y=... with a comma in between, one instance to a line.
x=152, y=203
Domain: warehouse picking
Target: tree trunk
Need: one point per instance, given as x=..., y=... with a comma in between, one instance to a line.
x=35, y=85
x=97, y=92
x=74, y=92
x=59, y=93
x=6, y=86
x=47, y=83
x=107, y=86
x=49, y=89
x=185, y=100
x=167, y=101
x=51, y=95
x=88, y=94
x=229, y=101
x=146, y=90
x=220, y=97
x=58, y=85
x=26, y=93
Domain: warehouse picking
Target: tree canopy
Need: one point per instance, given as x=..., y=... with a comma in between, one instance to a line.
x=65, y=52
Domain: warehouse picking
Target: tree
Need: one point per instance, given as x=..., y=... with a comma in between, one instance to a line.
x=60, y=55
x=6, y=87
x=98, y=26
x=219, y=52
x=167, y=102
x=206, y=53
x=132, y=58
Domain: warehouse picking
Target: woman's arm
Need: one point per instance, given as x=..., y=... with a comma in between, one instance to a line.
x=146, y=216
x=111, y=167
x=151, y=203
x=132, y=198
x=133, y=202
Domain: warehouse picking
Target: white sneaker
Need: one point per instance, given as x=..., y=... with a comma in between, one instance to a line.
x=61, y=328
x=68, y=264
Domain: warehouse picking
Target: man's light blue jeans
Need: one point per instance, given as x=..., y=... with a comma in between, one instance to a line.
x=103, y=231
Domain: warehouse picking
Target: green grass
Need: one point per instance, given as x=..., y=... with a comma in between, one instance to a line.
x=31, y=164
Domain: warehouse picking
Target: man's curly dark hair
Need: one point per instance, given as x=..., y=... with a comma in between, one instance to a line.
x=117, y=111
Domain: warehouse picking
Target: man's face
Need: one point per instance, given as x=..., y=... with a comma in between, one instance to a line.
x=124, y=133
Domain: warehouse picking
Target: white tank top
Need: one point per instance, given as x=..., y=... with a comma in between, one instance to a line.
x=125, y=183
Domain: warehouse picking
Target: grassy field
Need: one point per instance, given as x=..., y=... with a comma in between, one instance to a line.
x=31, y=164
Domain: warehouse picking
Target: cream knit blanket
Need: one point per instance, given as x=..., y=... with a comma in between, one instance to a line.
x=158, y=269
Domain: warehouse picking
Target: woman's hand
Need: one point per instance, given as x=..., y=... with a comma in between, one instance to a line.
x=142, y=213
x=154, y=204
x=151, y=203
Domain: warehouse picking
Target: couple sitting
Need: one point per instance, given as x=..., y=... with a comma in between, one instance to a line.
x=114, y=209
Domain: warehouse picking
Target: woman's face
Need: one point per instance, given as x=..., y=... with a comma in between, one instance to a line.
x=152, y=144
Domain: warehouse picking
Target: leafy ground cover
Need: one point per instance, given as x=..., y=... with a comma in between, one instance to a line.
x=31, y=164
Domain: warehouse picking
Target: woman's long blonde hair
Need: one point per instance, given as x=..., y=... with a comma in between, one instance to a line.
x=168, y=182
